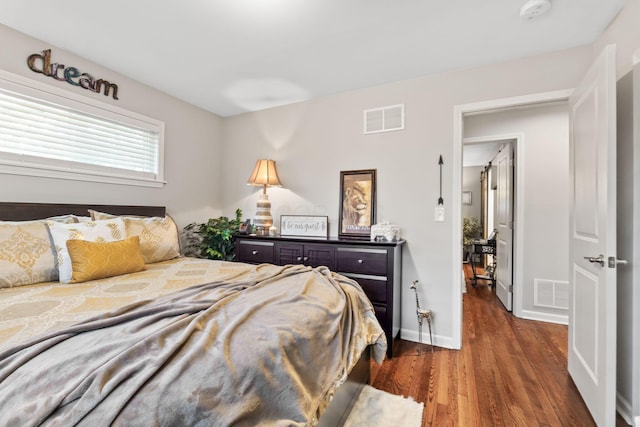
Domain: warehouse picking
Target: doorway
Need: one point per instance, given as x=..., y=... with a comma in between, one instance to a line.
x=465, y=114
x=538, y=220
x=488, y=170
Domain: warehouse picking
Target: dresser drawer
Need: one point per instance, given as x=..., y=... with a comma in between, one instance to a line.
x=287, y=253
x=362, y=261
x=381, y=315
x=317, y=255
x=375, y=289
x=255, y=252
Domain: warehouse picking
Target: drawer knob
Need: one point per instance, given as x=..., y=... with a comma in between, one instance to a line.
x=299, y=258
x=254, y=252
x=306, y=258
x=360, y=261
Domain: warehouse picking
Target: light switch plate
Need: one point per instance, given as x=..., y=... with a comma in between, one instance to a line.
x=438, y=214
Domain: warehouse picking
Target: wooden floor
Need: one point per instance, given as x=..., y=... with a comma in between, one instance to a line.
x=510, y=372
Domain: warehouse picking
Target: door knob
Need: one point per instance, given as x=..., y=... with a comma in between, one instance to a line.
x=596, y=260
x=613, y=261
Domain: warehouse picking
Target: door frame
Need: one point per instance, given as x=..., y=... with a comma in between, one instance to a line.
x=635, y=263
x=458, y=138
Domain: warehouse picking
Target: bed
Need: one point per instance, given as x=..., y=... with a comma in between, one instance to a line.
x=172, y=340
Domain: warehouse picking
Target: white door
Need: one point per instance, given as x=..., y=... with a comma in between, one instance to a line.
x=504, y=225
x=592, y=298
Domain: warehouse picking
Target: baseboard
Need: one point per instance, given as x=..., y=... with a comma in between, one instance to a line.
x=438, y=341
x=623, y=406
x=561, y=319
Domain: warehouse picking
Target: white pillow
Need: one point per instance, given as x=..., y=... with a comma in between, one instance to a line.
x=92, y=231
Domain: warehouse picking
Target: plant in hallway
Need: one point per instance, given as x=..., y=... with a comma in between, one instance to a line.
x=471, y=230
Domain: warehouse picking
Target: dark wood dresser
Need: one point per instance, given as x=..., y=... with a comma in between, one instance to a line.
x=376, y=266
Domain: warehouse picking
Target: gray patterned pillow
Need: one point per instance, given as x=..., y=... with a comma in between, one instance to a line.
x=191, y=240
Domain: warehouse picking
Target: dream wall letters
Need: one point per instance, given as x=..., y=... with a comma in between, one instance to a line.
x=41, y=63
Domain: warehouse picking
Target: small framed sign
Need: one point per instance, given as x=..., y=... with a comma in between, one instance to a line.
x=304, y=225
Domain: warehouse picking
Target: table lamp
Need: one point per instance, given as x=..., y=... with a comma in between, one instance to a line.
x=264, y=174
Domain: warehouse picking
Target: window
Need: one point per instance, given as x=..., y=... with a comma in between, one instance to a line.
x=46, y=131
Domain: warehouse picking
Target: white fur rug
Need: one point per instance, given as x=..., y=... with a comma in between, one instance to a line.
x=376, y=408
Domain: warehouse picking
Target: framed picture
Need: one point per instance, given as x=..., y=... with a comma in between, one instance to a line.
x=304, y=225
x=357, y=203
x=466, y=197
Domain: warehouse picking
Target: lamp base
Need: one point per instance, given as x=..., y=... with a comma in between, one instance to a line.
x=263, y=219
x=260, y=231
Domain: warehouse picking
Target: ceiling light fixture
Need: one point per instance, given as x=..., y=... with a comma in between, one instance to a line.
x=534, y=8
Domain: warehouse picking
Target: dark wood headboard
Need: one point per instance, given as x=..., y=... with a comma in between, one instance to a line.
x=29, y=211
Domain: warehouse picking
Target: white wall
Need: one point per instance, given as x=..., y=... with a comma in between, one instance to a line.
x=624, y=32
x=544, y=152
x=471, y=182
x=313, y=141
x=192, y=143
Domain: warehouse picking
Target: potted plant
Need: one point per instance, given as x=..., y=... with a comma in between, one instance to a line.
x=471, y=230
x=214, y=239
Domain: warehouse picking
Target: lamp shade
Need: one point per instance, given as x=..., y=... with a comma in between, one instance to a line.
x=265, y=174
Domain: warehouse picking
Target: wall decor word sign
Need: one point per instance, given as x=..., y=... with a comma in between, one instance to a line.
x=304, y=225
x=41, y=63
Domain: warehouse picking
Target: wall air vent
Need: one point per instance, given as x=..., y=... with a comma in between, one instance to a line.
x=384, y=119
x=551, y=293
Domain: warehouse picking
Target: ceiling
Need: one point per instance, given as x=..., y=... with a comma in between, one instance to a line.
x=480, y=153
x=234, y=56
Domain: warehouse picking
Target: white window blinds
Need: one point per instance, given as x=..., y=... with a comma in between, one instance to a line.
x=41, y=130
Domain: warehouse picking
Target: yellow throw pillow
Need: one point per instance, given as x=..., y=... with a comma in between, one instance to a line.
x=97, y=260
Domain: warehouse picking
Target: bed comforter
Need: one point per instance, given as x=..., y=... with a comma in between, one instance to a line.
x=268, y=346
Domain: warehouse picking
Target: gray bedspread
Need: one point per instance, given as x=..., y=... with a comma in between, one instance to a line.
x=268, y=347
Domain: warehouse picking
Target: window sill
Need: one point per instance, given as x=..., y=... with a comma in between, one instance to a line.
x=80, y=176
